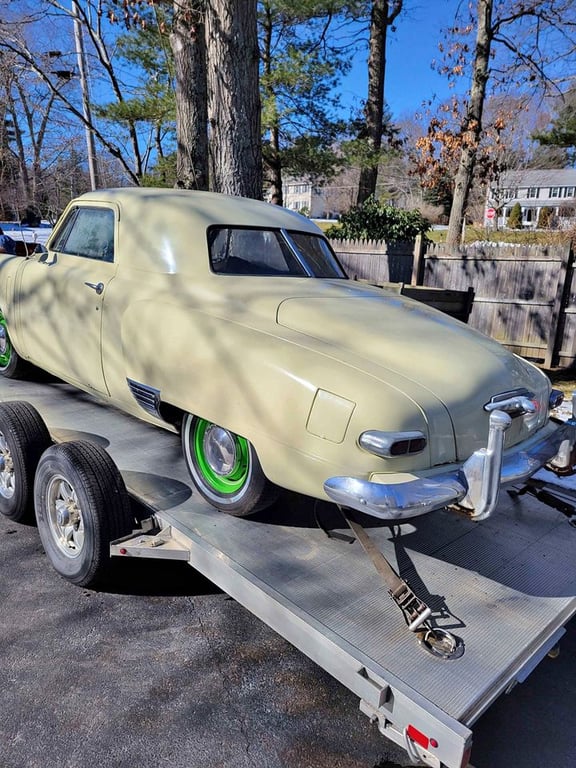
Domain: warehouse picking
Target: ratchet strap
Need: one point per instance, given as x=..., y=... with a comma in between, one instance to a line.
x=436, y=641
x=414, y=610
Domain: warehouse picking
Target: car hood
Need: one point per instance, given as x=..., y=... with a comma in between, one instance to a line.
x=386, y=334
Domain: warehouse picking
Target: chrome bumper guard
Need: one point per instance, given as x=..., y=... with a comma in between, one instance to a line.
x=474, y=486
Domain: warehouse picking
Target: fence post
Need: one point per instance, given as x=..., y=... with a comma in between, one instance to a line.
x=418, y=263
x=557, y=325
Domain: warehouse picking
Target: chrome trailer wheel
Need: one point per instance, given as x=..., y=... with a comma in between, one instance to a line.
x=81, y=506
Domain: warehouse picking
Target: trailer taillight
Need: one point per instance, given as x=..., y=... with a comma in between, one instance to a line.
x=420, y=738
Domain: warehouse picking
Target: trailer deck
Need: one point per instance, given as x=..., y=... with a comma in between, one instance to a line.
x=506, y=586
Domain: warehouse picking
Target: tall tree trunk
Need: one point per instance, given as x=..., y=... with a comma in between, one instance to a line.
x=472, y=125
x=272, y=161
x=188, y=44
x=234, y=98
x=273, y=165
x=382, y=16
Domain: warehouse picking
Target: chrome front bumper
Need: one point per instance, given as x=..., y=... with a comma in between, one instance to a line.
x=474, y=485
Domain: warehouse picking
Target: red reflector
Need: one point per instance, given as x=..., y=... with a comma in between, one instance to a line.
x=123, y=551
x=418, y=736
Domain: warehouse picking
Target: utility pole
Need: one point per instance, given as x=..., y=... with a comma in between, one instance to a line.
x=92, y=163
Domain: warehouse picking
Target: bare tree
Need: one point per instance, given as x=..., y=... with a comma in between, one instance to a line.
x=472, y=124
x=39, y=131
x=517, y=42
x=383, y=15
x=25, y=38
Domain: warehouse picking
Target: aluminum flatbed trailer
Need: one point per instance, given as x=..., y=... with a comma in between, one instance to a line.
x=506, y=586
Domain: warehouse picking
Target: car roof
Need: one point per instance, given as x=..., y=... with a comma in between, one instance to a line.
x=207, y=208
x=166, y=229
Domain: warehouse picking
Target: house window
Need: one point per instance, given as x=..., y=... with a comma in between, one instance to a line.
x=555, y=191
x=568, y=191
x=510, y=193
x=533, y=192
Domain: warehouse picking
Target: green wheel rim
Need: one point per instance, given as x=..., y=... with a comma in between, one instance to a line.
x=5, y=346
x=234, y=480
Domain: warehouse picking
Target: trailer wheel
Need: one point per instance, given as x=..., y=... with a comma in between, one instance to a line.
x=81, y=506
x=23, y=439
x=225, y=468
x=11, y=364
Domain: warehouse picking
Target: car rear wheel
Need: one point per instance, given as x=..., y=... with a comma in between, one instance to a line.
x=225, y=468
x=11, y=364
x=81, y=506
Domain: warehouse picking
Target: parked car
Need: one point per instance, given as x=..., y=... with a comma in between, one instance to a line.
x=232, y=321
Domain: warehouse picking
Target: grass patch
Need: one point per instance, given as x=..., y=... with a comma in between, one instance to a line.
x=488, y=235
x=516, y=236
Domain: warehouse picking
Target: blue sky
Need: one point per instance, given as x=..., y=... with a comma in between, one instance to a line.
x=410, y=79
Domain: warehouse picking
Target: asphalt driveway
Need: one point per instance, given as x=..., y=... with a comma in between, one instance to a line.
x=163, y=669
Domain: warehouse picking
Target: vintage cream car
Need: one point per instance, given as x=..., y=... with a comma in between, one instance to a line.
x=232, y=321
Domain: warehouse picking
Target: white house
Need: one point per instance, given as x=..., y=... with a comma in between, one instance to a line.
x=317, y=200
x=534, y=190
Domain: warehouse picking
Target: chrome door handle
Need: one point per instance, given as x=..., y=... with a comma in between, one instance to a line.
x=98, y=287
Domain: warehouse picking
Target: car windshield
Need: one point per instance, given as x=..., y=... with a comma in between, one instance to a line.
x=265, y=252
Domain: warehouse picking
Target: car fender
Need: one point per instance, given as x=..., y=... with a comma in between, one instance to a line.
x=276, y=389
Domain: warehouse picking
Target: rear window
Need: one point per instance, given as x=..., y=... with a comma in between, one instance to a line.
x=265, y=252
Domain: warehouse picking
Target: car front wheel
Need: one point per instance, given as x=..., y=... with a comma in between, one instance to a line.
x=225, y=468
x=11, y=364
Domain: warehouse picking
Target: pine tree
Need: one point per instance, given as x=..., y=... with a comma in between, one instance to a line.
x=515, y=218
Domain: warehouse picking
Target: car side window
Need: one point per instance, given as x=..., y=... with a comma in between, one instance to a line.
x=318, y=255
x=89, y=233
x=238, y=251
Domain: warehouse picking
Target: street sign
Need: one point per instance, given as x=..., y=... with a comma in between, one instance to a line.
x=490, y=213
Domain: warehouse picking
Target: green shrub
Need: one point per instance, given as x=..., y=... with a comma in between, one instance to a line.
x=515, y=218
x=374, y=221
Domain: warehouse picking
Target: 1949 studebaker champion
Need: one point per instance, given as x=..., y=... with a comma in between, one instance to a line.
x=232, y=321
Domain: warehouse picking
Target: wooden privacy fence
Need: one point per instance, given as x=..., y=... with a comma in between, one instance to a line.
x=523, y=293
x=376, y=260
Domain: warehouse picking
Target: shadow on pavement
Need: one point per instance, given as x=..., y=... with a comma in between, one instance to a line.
x=135, y=576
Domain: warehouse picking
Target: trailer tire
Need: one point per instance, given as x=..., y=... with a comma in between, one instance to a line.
x=23, y=439
x=81, y=506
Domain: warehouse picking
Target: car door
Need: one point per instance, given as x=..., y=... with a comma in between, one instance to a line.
x=61, y=297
